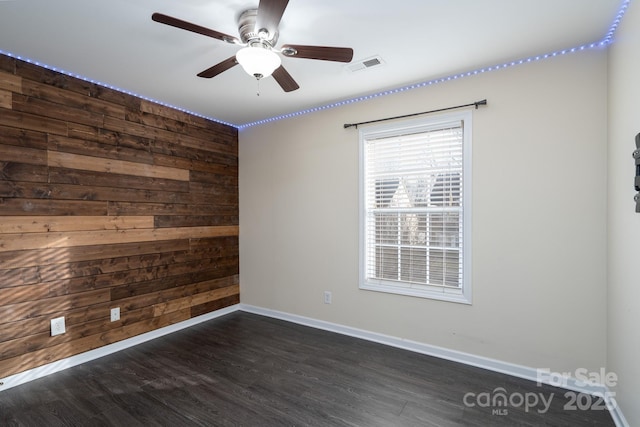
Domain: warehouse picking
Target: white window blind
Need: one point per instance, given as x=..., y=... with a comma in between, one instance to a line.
x=413, y=192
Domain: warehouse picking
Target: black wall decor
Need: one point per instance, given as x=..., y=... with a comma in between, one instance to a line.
x=636, y=155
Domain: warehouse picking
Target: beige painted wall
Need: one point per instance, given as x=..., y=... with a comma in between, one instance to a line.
x=539, y=217
x=624, y=223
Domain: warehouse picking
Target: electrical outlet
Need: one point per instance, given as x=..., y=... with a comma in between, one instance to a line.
x=327, y=297
x=57, y=326
x=115, y=314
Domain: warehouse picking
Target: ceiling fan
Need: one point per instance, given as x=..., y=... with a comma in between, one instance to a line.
x=258, y=29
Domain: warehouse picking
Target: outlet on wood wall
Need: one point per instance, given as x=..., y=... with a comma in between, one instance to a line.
x=107, y=200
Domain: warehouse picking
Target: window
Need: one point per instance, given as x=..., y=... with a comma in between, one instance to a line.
x=415, y=190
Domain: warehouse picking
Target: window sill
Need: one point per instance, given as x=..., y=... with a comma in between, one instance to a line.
x=448, y=295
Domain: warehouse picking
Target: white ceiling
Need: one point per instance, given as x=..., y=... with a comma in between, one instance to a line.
x=116, y=42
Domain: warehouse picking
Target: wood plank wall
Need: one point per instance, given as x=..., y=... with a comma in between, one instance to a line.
x=107, y=200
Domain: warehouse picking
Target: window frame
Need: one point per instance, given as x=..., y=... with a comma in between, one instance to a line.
x=463, y=294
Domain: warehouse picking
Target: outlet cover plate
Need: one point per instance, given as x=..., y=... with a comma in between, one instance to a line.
x=115, y=314
x=327, y=297
x=57, y=326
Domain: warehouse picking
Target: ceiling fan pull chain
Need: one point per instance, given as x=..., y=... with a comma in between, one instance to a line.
x=258, y=92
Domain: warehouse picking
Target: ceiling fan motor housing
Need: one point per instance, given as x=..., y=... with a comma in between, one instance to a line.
x=251, y=35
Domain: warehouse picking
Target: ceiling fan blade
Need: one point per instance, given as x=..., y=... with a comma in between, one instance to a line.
x=179, y=23
x=219, y=68
x=324, y=53
x=269, y=15
x=285, y=80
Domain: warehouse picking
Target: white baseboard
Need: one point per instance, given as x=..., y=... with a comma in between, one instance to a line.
x=494, y=365
x=60, y=365
x=618, y=417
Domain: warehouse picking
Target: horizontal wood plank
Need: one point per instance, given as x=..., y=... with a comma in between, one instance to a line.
x=17, y=277
x=69, y=279
x=21, y=120
x=199, y=282
x=40, y=190
x=118, y=181
x=193, y=300
x=207, y=307
x=39, y=224
x=119, y=139
x=213, y=206
x=166, y=295
x=228, y=133
x=17, y=294
x=161, y=110
x=168, y=136
x=10, y=82
x=71, y=99
x=203, y=166
x=16, y=171
x=12, y=206
x=42, y=108
x=8, y=64
x=22, y=241
x=95, y=253
x=162, y=221
x=76, y=161
x=23, y=328
x=31, y=156
x=96, y=149
x=172, y=149
x=25, y=310
x=6, y=99
x=80, y=131
x=22, y=138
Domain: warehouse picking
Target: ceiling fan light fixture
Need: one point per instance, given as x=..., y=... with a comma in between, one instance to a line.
x=258, y=61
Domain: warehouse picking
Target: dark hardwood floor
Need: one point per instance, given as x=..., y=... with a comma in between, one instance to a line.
x=248, y=370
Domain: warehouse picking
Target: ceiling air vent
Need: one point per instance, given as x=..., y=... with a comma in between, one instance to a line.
x=363, y=64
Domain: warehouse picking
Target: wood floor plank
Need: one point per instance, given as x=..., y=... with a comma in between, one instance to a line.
x=248, y=370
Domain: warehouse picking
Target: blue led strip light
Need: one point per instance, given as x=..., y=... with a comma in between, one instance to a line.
x=108, y=86
x=608, y=39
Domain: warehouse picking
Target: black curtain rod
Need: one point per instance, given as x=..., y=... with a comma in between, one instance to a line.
x=474, y=104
